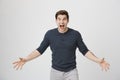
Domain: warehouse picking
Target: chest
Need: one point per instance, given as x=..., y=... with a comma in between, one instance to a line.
x=63, y=41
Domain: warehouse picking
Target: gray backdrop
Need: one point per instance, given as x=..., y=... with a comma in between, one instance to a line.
x=23, y=24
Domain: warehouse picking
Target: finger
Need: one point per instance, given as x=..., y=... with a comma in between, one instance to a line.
x=15, y=62
x=102, y=69
x=21, y=66
x=107, y=68
x=15, y=65
x=21, y=59
x=18, y=66
x=108, y=64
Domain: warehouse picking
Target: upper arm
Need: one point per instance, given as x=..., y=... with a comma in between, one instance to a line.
x=81, y=45
x=44, y=44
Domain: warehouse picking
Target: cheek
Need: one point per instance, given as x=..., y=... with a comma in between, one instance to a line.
x=57, y=22
x=66, y=22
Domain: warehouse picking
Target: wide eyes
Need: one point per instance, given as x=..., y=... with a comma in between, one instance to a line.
x=59, y=19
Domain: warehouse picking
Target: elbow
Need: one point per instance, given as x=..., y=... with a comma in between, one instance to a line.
x=87, y=53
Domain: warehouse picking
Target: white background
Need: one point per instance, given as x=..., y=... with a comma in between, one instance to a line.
x=23, y=24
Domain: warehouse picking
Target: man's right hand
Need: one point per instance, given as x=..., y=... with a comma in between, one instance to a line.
x=19, y=64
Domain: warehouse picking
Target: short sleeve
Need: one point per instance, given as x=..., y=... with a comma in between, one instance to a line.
x=81, y=45
x=44, y=44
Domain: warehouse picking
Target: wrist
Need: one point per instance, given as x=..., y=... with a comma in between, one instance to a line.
x=101, y=61
x=24, y=59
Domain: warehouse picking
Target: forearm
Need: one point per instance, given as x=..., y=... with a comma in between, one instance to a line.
x=32, y=55
x=92, y=57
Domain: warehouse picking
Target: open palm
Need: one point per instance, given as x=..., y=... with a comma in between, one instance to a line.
x=19, y=64
x=104, y=65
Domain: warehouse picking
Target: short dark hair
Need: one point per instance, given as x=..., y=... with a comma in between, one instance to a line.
x=62, y=12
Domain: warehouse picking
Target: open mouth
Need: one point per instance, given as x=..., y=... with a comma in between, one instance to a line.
x=61, y=26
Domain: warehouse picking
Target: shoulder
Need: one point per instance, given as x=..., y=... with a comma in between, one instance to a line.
x=76, y=32
x=51, y=31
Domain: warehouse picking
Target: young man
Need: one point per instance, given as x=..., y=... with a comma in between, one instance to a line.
x=63, y=42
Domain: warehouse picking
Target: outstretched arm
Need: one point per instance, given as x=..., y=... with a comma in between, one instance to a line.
x=104, y=65
x=19, y=64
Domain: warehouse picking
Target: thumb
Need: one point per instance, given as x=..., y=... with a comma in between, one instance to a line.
x=22, y=59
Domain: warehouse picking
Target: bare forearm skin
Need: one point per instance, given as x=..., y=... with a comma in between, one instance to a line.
x=32, y=55
x=92, y=57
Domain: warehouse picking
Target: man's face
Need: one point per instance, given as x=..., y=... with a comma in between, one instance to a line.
x=62, y=22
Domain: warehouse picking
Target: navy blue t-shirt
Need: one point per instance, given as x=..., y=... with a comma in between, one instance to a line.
x=63, y=47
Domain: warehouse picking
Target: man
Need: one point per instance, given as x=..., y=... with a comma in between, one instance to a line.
x=63, y=42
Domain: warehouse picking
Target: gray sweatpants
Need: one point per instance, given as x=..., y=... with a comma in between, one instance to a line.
x=59, y=75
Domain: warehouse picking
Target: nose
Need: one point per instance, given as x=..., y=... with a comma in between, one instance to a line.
x=61, y=21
